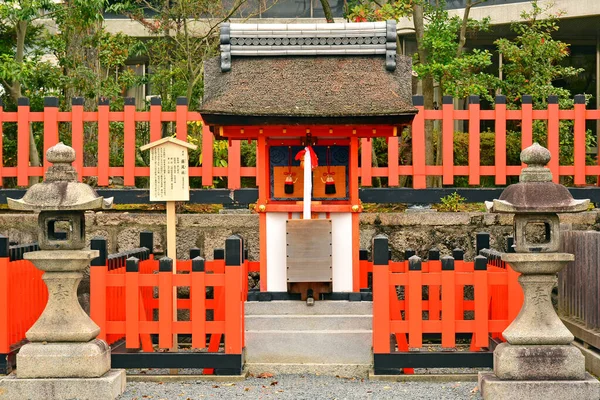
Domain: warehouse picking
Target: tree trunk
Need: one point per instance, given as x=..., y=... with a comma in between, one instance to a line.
x=327, y=11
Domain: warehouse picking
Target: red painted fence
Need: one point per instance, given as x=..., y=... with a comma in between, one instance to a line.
x=496, y=301
x=23, y=294
x=51, y=118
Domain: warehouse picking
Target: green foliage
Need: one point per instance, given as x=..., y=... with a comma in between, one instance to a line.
x=452, y=202
x=532, y=60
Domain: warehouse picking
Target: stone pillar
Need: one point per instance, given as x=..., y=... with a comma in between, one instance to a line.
x=63, y=360
x=537, y=361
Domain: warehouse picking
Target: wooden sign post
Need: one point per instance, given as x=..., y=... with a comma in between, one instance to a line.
x=169, y=182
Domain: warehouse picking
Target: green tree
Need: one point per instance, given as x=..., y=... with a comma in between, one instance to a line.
x=532, y=65
x=184, y=33
x=441, y=56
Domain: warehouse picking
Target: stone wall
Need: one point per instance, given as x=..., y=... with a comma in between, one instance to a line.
x=417, y=230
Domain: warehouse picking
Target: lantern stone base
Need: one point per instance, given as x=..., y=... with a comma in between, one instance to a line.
x=540, y=362
x=63, y=360
x=107, y=387
x=493, y=388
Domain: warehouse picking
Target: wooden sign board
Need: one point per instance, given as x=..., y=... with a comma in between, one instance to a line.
x=169, y=172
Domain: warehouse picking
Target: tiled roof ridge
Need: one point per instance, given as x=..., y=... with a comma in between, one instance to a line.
x=328, y=39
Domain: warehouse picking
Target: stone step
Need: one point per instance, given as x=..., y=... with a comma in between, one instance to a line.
x=325, y=307
x=308, y=322
x=309, y=347
x=339, y=370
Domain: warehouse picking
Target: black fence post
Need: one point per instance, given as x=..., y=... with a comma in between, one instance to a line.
x=198, y=264
x=481, y=263
x=165, y=264
x=234, y=250
x=458, y=254
x=132, y=265
x=482, y=241
x=434, y=254
x=408, y=253
x=194, y=252
x=414, y=263
x=219, y=254
x=447, y=263
x=4, y=246
x=99, y=243
x=147, y=240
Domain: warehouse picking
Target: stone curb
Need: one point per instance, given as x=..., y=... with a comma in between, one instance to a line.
x=423, y=377
x=188, y=378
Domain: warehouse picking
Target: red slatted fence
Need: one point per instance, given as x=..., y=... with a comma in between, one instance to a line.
x=51, y=118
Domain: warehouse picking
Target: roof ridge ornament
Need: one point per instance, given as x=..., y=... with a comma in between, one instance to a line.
x=327, y=39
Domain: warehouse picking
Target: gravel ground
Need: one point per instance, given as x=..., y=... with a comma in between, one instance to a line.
x=308, y=387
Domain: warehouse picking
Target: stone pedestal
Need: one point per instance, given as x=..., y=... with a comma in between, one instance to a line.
x=107, y=387
x=63, y=360
x=494, y=388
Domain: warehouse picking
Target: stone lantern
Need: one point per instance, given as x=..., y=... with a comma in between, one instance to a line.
x=63, y=359
x=538, y=360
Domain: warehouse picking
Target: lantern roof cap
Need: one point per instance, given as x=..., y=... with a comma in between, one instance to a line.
x=60, y=190
x=535, y=192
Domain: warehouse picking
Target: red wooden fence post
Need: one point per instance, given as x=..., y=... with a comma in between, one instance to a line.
x=381, y=295
x=198, y=303
x=234, y=254
x=50, y=126
x=23, y=141
x=132, y=306
x=98, y=272
x=155, y=119
x=448, y=302
x=415, y=302
x=579, y=144
x=207, y=156
x=418, y=144
x=103, y=141
x=480, y=287
x=234, y=158
x=4, y=295
x=165, y=303
x=553, y=137
x=393, y=174
x=447, y=140
x=474, y=140
x=500, y=140
x=366, y=162
x=129, y=142
x=77, y=133
x=181, y=119
x=1, y=142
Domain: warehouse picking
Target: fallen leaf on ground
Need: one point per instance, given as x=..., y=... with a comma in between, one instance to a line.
x=246, y=389
x=215, y=386
x=265, y=375
x=229, y=384
x=386, y=387
x=274, y=383
x=475, y=390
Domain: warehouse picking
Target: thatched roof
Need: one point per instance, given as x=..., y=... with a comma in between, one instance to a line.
x=307, y=90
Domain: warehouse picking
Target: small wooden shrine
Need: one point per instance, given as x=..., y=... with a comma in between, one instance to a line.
x=307, y=93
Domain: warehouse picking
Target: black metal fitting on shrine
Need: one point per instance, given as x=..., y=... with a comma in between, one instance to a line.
x=408, y=253
x=219, y=254
x=308, y=140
